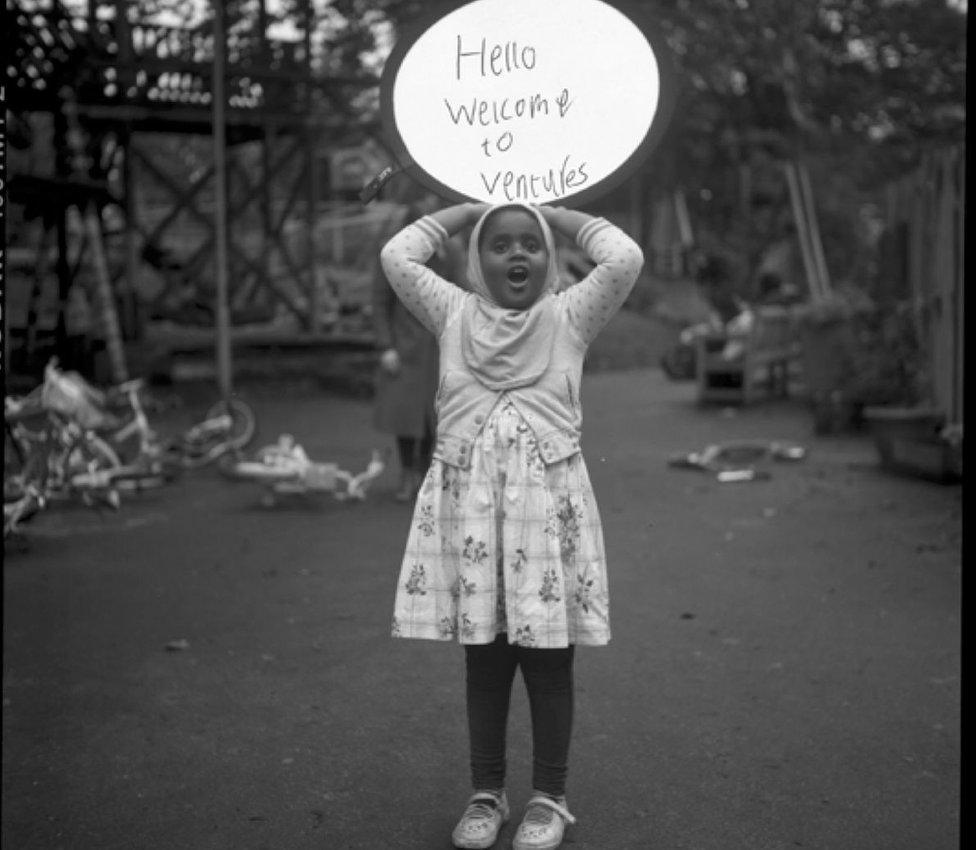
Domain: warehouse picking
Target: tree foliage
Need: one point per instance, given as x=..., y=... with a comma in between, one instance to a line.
x=880, y=78
x=857, y=89
x=876, y=80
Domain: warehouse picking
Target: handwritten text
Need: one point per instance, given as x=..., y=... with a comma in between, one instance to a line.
x=530, y=187
x=499, y=59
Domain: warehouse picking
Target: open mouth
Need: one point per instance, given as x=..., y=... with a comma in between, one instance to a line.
x=518, y=275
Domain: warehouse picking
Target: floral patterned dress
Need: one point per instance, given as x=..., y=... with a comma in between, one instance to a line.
x=506, y=546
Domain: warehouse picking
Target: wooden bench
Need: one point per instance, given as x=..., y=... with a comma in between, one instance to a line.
x=743, y=369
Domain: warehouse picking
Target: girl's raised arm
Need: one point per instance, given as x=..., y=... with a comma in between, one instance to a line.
x=456, y=218
x=564, y=221
x=618, y=261
x=423, y=292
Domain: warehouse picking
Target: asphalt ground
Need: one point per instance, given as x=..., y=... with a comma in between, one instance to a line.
x=785, y=669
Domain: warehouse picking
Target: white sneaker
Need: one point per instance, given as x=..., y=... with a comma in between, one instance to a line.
x=481, y=821
x=543, y=824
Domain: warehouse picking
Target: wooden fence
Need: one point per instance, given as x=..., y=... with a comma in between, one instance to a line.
x=928, y=207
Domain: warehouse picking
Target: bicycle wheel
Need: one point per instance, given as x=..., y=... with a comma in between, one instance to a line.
x=243, y=422
x=14, y=457
x=24, y=489
x=18, y=511
x=24, y=436
x=213, y=438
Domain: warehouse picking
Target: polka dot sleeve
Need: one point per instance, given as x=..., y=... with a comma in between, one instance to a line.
x=592, y=301
x=423, y=292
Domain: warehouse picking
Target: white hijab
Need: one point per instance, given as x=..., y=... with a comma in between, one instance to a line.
x=504, y=348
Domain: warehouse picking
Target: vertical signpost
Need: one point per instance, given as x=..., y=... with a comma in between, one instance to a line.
x=221, y=309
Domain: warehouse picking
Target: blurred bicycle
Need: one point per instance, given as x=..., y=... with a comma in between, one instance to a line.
x=118, y=414
x=63, y=441
x=738, y=460
x=285, y=468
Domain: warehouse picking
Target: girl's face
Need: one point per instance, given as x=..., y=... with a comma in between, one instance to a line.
x=514, y=258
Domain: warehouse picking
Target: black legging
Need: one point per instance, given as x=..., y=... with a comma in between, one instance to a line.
x=415, y=452
x=548, y=675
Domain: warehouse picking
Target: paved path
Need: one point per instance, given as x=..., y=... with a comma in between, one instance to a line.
x=784, y=673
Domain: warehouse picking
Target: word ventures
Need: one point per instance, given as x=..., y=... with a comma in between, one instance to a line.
x=530, y=187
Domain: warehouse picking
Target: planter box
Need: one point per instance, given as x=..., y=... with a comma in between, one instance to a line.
x=909, y=443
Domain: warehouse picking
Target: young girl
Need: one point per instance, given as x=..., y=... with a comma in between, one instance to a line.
x=505, y=551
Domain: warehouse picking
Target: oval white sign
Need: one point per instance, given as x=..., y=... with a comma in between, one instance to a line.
x=529, y=100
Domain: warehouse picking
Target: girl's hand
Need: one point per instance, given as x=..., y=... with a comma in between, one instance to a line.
x=459, y=216
x=549, y=212
x=565, y=221
x=476, y=210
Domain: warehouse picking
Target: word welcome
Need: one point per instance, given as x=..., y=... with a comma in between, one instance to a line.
x=530, y=187
x=487, y=112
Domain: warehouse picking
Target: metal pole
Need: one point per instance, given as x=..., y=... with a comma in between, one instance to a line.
x=221, y=311
x=311, y=187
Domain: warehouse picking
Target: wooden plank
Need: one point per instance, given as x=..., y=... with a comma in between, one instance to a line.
x=64, y=272
x=170, y=281
x=91, y=218
x=199, y=117
x=104, y=296
x=247, y=282
x=130, y=177
x=283, y=295
x=34, y=297
x=208, y=223
x=239, y=207
x=802, y=231
x=185, y=198
x=204, y=249
x=253, y=71
x=813, y=226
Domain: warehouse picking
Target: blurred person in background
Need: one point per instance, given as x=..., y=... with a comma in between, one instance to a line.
x=406, y=379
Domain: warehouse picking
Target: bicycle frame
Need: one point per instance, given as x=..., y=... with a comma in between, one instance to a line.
x=138, y=424
x=198, y=445
x=736, y=460
x=63, y=457
x=285, y=468
x=58, y=460
x=218, y=425
x=14, y=512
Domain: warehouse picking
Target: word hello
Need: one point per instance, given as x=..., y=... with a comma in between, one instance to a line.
x=499, y=59
x=530, y=187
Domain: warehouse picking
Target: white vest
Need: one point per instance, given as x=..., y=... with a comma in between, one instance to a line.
x=550, y=406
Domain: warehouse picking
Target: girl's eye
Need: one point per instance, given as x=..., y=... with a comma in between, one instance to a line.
x=531, y=245
x=499, y=246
